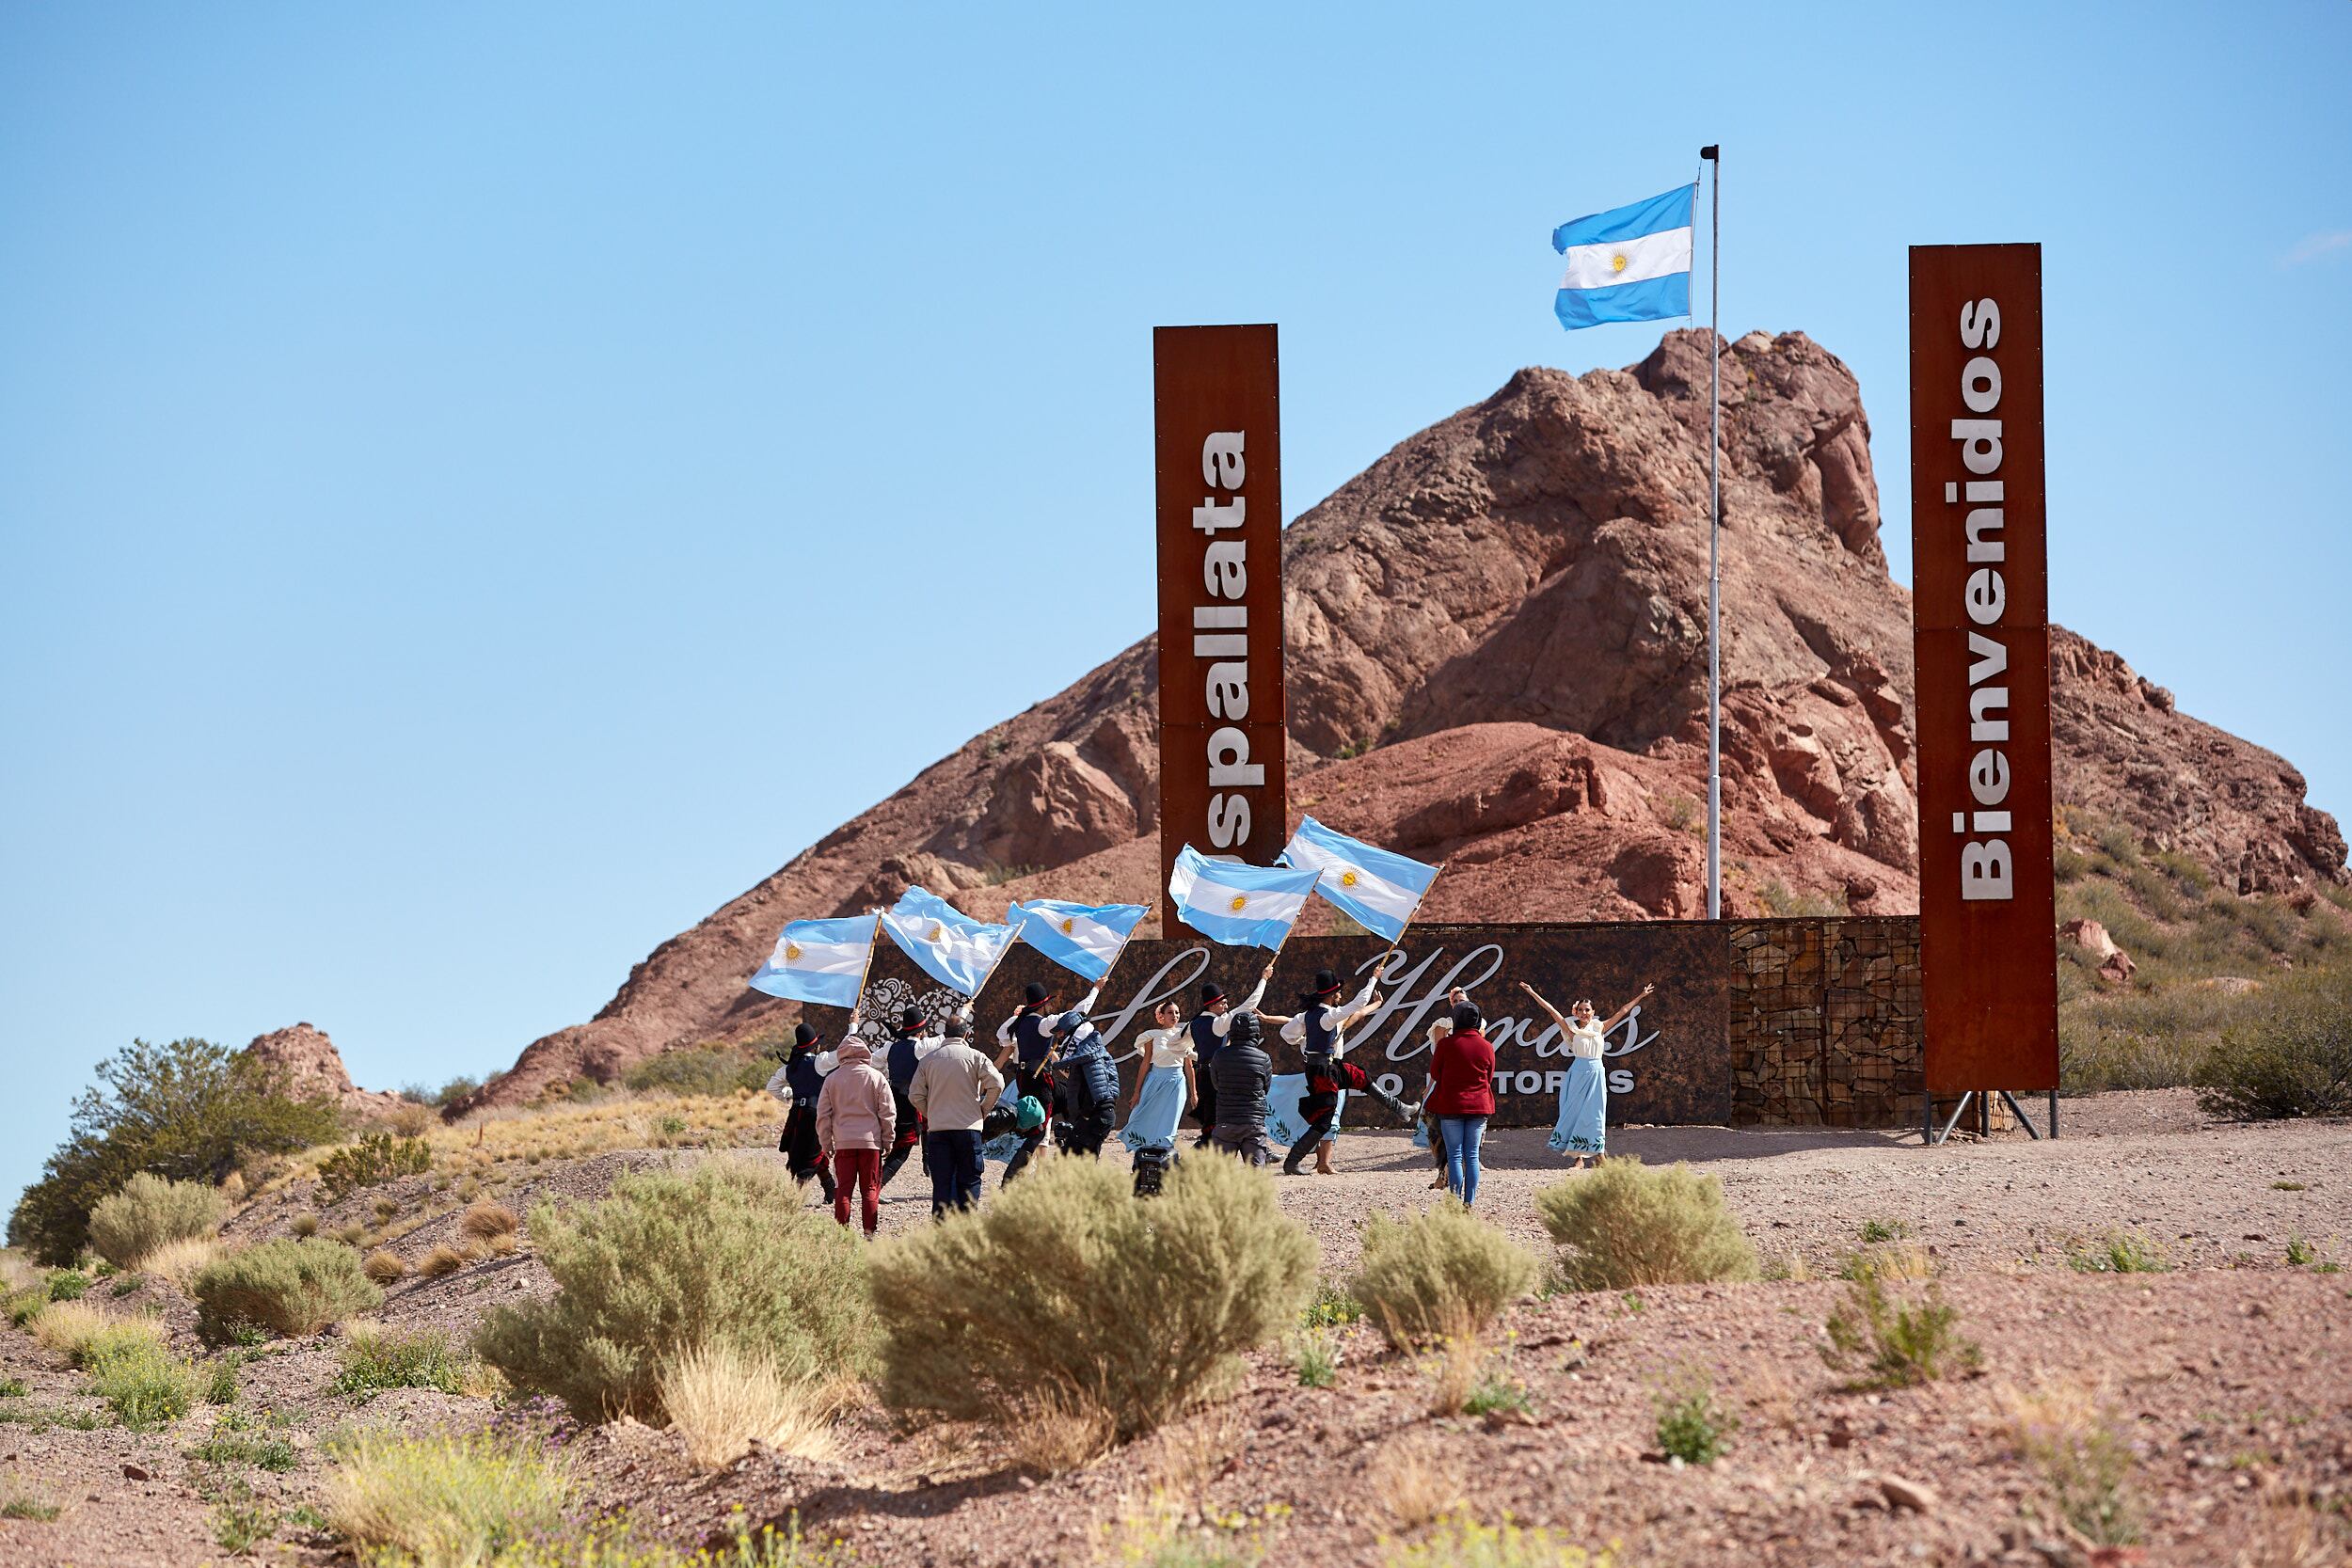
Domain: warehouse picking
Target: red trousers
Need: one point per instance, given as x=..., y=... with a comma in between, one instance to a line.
x=861, y=1167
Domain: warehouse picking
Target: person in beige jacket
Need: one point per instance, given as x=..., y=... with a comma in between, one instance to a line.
x=953, y=1088
x=856, y=1119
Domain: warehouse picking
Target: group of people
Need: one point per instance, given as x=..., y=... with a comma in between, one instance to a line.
x=851, y=1125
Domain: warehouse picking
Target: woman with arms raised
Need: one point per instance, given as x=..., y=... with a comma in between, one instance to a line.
x=1583, y=1127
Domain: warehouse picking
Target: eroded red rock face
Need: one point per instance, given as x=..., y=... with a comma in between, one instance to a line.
x=1509, y=609
x=314, y=1067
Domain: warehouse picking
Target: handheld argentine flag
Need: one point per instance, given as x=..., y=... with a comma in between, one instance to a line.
x=1377, y=888
x=1627, y=264
x=1085, y=937
x=1241, y=906
x=819, y=960
x=946, y=944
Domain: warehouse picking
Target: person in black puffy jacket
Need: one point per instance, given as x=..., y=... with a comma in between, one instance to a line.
x=1090, y=1084
x=1244, y=1072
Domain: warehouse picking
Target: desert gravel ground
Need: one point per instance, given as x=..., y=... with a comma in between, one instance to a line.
x=2232, y=1375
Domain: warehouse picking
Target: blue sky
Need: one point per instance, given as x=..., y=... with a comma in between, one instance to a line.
x=482, y=486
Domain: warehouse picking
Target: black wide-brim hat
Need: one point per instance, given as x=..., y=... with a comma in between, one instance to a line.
x=1034, y=991
x=804, y=1033
x=1210, y=991
x=1326, y=983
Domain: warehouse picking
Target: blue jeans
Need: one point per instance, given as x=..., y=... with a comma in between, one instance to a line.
x=955, y=1161
x=1462, y=1135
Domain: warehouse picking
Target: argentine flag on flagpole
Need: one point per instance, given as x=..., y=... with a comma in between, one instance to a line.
x=946, y=944
x=1627, y=264
x=819, y=960
x=1241, y=906
x=1379, y=888
x=1085, y=937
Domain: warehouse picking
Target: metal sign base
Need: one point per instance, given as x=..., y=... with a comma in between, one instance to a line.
x=1982, y=1101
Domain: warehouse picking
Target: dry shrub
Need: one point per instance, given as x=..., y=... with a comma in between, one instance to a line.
x=385, y=1267
x=486, y=1220
x=1054, y=1433
x=723, y=1400
x=1624, y=1225
x=1415, y=1481
x=2289, y=1536
x=180, y=1262
x=412, y=1121
x=2083, y=1461
x=1445, y=1272
x=305, y=1225
x=1896, y=1262
x=1067, y=1289
x=439, y=1263
x=1194, y=1451
x=444, y=1501
x=1894, y=1342
x=2290, y=1054
x=721, y=1254
x=151, y=1211
x=291, y=1287
x=1458, y=1364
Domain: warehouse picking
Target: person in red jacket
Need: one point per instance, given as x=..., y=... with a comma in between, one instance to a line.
x=1463, y=1067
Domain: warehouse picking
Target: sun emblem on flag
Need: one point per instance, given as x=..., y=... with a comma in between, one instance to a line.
x=1616, y=263
x=791, y=952
x=937, y=932
x=1347, y=878
x=1238, y=902
x=1069, y=926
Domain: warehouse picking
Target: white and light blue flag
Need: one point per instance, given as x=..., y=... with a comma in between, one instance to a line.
x=946, y=944
x=1627, y=264
x=1085, y=937
x=1241, y=906
x=1377, y=888
x=819, y=960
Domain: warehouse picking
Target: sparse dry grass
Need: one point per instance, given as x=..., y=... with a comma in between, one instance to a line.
x=567, y=1131
x=2067, y=1436
x=1056, y=1432
x=443, y=1502
x=68, y=1328
x=385, y=1266
x=1414, y=1481
x=442, y=1261
x=1193, y=1451
x=486, y=1220
x=722, y=1399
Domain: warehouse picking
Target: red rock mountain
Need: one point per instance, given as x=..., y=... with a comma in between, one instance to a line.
x=1497, y=643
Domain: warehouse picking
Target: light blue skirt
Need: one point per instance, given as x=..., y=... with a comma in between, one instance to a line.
x=1158, y=1109
x=1583, y=1124
x=1284, y=1125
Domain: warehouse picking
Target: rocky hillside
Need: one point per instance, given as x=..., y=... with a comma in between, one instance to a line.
x=1497, y=643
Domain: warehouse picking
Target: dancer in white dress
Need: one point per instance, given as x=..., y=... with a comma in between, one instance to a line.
x=1582, y=1126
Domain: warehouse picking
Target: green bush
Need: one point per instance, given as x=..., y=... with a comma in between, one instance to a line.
x=145, y=1384
x=2290, y=1054
x=373, y=1161
x=1067, y=1295
x=2118, y=1252
x=376, y=1359
x=150, y=1212
x=68, y=1285
x=1891, y=1342
x=189, y=1110
x=1691, y=1426
x=711, y=1070
x=723, y=1253
x=290, y=1288
x=1443, y=1272
x=1624, y=1225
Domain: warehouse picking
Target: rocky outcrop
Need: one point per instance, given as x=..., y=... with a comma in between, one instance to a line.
x=1496, y=656
x=313, y=1067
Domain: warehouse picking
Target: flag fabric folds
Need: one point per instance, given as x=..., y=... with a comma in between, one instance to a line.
x=946, y=944
x=1627, y=264
x=819, y=960
x=1241, y=906
x=1084, y=938
x=1379, y=889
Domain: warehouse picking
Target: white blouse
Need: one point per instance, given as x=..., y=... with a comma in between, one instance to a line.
x=1586, y=1041
x=1168, y=1047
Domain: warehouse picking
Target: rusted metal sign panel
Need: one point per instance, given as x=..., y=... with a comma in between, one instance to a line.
x=1980, y=604
x=1218, y=450
x=1668, y=1063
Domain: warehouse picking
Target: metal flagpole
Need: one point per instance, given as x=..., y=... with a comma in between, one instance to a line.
x=1713, y=154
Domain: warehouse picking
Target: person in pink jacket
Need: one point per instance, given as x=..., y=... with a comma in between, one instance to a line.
x=856, y=1119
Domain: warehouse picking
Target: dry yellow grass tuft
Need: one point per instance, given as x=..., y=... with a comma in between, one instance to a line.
x=1192, y=1453
x=486, y=1220
x=1415, y=1481
x=442, y=1261
x=177, y=1261
x=66, y=1327
x=2066, y=1434
x=385, y=1266
x=723, y=1400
